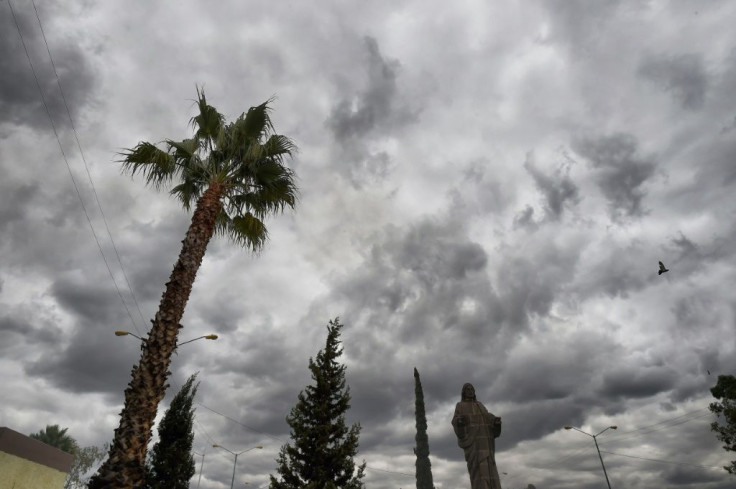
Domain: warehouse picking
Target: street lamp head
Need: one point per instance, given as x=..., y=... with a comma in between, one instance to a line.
x=259, y=446
x=614, y=427
x=121, y=333
x=568, y=427
x=215, y=446
x=211, y=337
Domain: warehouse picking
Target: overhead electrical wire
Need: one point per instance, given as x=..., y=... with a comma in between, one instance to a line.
x=605, y=441
x=86, y=167
x=283, y=441
x=691, y=416
x=663, y=461
x=71, y=175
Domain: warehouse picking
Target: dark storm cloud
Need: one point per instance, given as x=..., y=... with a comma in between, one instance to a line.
x=86, y=300
x=20, y=102
x=423, y=297
x=40, y=223
x=558, y=189
x=689, y=257
x=24, y=327
x=374, y=108
x=92, y=359
x=480, y=192
x=705, y=478
x=531, y=421
x=621, y=171
x=372, y=113
x=637, y=382
x=618, y=271
x=14, y=203
x=715, y=168
x=683, y=76
x=525, y=219
x=96, y=361
x=579, y=21
x=424, y=276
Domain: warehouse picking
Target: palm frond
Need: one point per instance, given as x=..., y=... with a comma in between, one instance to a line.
x=184, y=151
x=257, y=121
x=270, y=188
x=276, y=147
x=208, y=122
x=248, y=231
x=279, y=145
x=188, y=192
x=157, y=166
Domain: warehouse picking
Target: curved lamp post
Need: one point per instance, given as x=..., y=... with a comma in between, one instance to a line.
x=206, y=337
x=232, y=483
x=201, y=466
x=613, y=427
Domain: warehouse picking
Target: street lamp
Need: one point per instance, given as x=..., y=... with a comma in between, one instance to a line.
x=126, y=333
x=201, y=466
x=612, y=427
x=206, y=337
x=232, y=483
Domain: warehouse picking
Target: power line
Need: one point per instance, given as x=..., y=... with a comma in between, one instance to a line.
x=658, y=423
x=390, y=471
x=241, y=424
x=282, y=441
x=86, y=167
x=663, y=461
x=68, y=167
x=212, y=441
x=667, y=424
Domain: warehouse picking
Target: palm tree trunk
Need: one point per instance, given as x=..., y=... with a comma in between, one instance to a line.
x=125, y=465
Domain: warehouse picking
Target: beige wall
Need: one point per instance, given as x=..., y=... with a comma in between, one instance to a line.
x=26, y=463
x=19, y=473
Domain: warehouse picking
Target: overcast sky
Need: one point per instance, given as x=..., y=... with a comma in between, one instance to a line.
x=485, y=191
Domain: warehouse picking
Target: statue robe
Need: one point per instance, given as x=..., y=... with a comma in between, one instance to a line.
x=476, y=435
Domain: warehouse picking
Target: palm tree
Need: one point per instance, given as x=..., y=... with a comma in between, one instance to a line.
x=236, y=175
x=56, y=437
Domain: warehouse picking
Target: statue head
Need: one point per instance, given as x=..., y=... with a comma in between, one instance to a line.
x=468, y=393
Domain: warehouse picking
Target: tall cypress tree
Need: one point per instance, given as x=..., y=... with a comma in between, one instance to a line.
x=423, y=465
x=322, y=449
x=172, y=462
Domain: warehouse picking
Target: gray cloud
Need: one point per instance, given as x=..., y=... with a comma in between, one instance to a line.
x=621, y=171
x=579, y=22
x=524, y=219
x=373, y=108
x=92, y=359
x=20, y=102
x=24, y=329
x=558, y=189
x=459, y=262
x=637, y=382
x=371, y=114
x=683, y=76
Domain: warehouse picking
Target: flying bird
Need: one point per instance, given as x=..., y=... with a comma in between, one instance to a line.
x=662, y=269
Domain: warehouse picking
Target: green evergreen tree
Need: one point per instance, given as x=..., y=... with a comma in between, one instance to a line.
x=172, y=461
x=56, y=437
x=321, y=453
x=725, y=391
x=423, y=465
